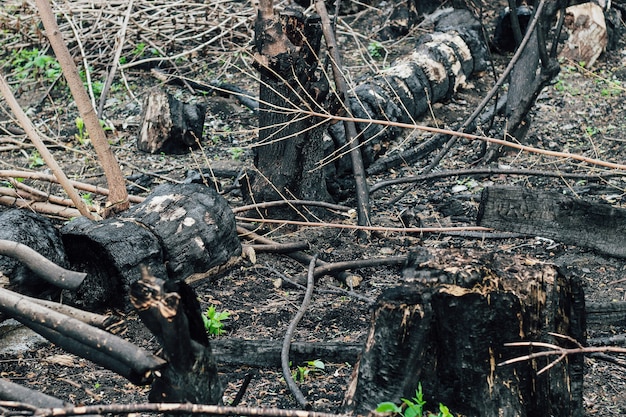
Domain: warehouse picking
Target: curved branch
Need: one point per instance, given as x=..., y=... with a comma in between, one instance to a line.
x=284, y=354
x=40, y=265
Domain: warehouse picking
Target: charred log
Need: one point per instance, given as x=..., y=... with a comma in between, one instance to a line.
x=193, y=223
x=177, y=231
x=441, y=63
x=553, y=215
x=112, y=252
x=266, y=353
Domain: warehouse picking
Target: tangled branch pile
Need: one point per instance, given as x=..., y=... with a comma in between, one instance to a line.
x=157, y=31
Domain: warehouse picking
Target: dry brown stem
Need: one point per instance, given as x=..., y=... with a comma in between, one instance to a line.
x=118, y=197
x=42, y=149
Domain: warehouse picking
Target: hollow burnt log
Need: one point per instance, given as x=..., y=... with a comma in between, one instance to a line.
x=112, y=252
x=178, y=230
x=446, y=327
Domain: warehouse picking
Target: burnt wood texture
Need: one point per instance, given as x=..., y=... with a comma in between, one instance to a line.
x=180, y=229
x=446, y=328
x=553, y=215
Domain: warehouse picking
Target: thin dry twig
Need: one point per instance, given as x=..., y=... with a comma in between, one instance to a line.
x=368, y=228
x=159, y=408
x=42, y=149
x=284, y=354
x=555, y=350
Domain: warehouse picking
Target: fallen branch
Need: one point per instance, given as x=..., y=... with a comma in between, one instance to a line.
x=51, y=178
x=10, y=391
x=40, y=265
x=334, y=267
x=105, y=349
x=161, y=408
x=284, y=354
x=281, y=247
x=97, y=320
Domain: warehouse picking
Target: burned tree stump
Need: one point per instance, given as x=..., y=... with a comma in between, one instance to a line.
x=172, y=313
x=446, y=328
x=169, y=125
x=177, y=231
x=290, y=144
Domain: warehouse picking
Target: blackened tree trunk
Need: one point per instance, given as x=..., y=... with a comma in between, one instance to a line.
x=290, y=142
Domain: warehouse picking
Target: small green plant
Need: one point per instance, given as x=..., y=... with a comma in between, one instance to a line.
x=213, y=321
x=236, y=153
x=375, y=49
x=82, y=135
x=413, y=407
x=302, y=372
x=139, y=48
x=35, y=160
x=87, y=198
x=34, y=63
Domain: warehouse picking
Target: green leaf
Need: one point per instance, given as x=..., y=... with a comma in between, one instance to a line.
x=317, y=364
x=388, y=407
x=444, y=411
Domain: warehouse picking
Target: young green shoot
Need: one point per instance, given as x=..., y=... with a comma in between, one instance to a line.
x=213, y=321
